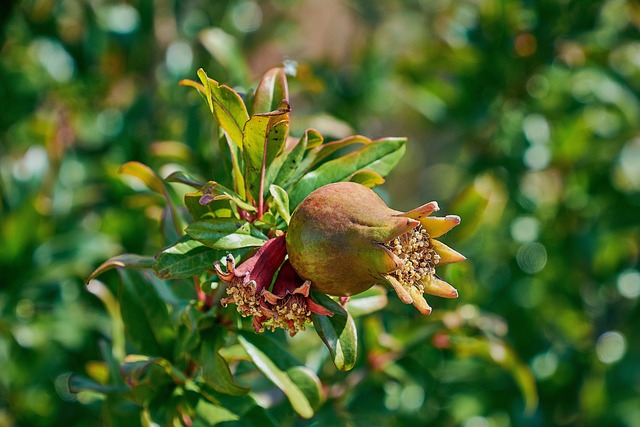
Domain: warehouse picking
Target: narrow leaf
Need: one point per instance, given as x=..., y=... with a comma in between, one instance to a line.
x=226, y=233
x=124, y=261
x=292, y=166
x=281, y=200
x=338, y=332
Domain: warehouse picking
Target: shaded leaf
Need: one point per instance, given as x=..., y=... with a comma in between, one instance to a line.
x=226, y=233
x=145, y=314
x=338, y=332
x=124, y=261
x=215, y=370
x=78, y=383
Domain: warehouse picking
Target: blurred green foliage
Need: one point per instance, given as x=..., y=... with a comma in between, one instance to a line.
x=521, y=117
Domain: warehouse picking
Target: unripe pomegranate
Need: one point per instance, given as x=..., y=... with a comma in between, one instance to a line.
x=343, y=238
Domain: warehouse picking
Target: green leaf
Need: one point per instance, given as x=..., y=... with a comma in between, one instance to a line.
x=249, y=411
x=124, y=261
x=227, y=107
x=145, y=314
x=78, y=383
x=213, y=414
x=185, y=179
x=264, y=138
x=323, y=151
x=226, y=233
x=185, y=258
x=213, y=191
x=367, y=178
x=369, y=301
x=215, y=370
x=271, y=91
x=379, y=156
x=338, y=332
x=281, y=199
x=299, y=384
x=292, y=166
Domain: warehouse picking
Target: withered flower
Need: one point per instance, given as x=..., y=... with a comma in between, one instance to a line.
x=344, y=239
x=287, y=306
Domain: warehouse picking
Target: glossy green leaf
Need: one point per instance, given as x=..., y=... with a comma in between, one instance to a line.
x=271, y=91
x=124, y=261
x=227, y=107
x=300, y=385
x=226, y=233
x=379, y=156
x=215, y=370
x=185, y=258
x=145, y=314
x=264, y=138
x=281, y=200
x=338, y=332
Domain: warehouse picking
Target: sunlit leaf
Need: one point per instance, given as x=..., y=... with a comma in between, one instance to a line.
x=145, y=174
x=367, y=178
x=291, y=164
x=186, y=258
x=225, y=233
x=264, y=138
x=227, y=107
x=298, y=383
x=281, y=200
x=338, y=332
x=369, y=301
x=379, y=156
x=271, y=91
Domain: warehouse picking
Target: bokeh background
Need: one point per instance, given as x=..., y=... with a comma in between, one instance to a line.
x=522, y=117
